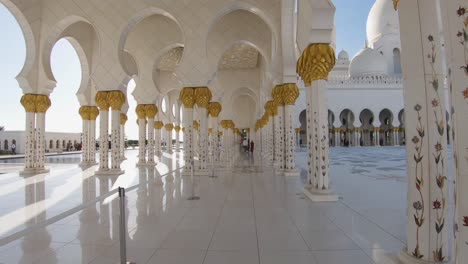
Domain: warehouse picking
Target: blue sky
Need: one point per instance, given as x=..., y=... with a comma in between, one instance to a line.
x=350, y=21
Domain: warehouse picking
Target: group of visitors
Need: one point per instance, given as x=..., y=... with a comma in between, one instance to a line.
x=247, y=145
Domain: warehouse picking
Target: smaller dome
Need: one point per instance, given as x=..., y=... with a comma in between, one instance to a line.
x=343, y=56
x=368, y=62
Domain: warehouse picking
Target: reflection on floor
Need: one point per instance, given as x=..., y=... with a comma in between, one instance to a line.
x=245, y=215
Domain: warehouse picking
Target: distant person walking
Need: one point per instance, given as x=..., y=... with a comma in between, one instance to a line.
x=246, y=145
x=13, y=149
x=251, y=146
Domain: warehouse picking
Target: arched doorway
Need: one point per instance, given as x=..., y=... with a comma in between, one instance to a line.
x=347, y=128
x=386, y=133
x=367, y=129
x=401, y=132
x=303, y=133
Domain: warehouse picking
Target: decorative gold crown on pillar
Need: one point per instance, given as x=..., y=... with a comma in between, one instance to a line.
x=187, y=97
x=151, y=110
x=277, y=95
x=315, y=63
x=214, y=108
x=158, y=124
x=202, y=96
x=289, y=93
x=123, y=118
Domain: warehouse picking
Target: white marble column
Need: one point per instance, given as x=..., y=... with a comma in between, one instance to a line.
x=141, y=114
x=177, y=137
x=214, y=109
x=116, y=101
x=426, y=146
x=151, y=111
x=377, y=136
x=455, y=30
x=225, y=140
x=202, y=99
x=157, y=138
x=29, y=103
x=103, y=104
x=215, y=137
x=84, y=113
x=313, y=66
x=123, y=120
x=279, y=130
x=357, y=136
x=278, y=139
x=290, y=93
x=93, y=112
x=169, y=128
x=42, y=105
x=187, y=97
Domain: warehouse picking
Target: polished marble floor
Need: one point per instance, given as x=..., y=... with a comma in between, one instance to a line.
x=245, y=215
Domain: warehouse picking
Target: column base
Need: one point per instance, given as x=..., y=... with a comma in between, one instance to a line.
x=30, y=172
x=320, y=195
x=149, y=164
x=87, y=164
x=277, y=170
x=141, y=164
x=291, y=173
x=204, y=172
x=109, y=172
x=406, y=258
x=186, y=173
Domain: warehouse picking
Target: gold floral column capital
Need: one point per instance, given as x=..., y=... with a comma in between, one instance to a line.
x=141, y=111
x=224, y=124
x=150, y=110
x=395, y=4
x=202, y=96
x=84, y=113
x=123, y=119
x=93, y=113
x=187, y=97
x=42, y=103
x=214, y=108
x=102, y=100
x=271, y=108
x=277, y=95
x=169, y=127
x=29, y=102
x=315, y=63
x=290, y=93
x=231, y=124
x=116, y=100
x=177, y=129
x=158, y=124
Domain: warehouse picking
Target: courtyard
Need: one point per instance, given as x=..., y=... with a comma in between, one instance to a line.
x=245, y=215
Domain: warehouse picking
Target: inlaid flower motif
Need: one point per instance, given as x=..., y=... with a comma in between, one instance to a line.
x=465, y=93
x=438, y=147
x=430, y=38
x=437, y=204
x=461, y=11
x=417, y=206
x=415, y=140
x=465, y=221
x=417, y=107
x=459, y=34
x=435, y=103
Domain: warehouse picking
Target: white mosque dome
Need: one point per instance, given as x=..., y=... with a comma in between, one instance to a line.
x=368, y=62
x=382, y=20
x=343, y=56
